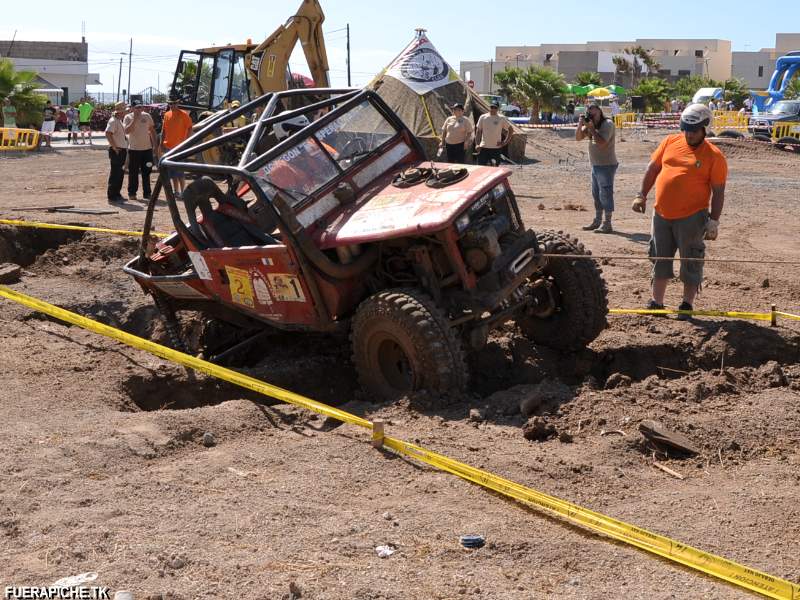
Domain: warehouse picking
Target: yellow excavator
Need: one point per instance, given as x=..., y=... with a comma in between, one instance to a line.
x=211, y=79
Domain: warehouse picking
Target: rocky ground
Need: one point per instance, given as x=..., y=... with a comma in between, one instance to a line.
x=105, y=465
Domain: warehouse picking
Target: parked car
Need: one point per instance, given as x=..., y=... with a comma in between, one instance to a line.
x=784, y=110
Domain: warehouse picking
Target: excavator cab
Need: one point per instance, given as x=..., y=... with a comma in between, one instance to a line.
x=206, y=79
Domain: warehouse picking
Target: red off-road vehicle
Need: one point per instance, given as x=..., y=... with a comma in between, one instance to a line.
x=322, y=214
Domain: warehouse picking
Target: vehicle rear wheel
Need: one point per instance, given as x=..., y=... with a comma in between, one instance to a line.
x=402, y=342
x=788, y=143
x=577, y=292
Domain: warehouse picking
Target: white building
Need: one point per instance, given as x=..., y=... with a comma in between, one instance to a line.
x=64, y=65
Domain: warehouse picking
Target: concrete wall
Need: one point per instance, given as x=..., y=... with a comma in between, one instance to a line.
x=61, y=73
x=787, y=42
x=746, y=65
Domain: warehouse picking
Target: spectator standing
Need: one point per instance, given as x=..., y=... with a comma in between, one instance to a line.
x=72, y=124
x=176, y=127
x=9, y=113
x=492, y=134
x=673, y=105
x=614, y=107
x=747, y=104
x=85, y=110
x=115, y=134
x=48, y=122
x=601, y=134
x=570, y=111
x=687, y=170
x=456, y=135
x=141, y=132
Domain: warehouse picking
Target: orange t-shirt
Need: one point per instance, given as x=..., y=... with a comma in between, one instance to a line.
x=683, y=187
x=176, y=127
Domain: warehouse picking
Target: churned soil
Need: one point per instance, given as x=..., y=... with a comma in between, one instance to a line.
x=106, y=465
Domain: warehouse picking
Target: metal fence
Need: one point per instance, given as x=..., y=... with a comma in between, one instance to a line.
x=147, y=96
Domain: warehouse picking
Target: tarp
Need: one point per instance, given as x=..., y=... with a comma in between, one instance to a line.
x=402, y=86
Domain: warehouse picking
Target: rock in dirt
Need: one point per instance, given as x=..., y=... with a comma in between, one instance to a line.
x=10, y=273
x=476, y=415
x=538, y=429
x=765, y=283
x=209, y=440
x=543, y=397
x=565, y=437
x=659, y=435
x=616, y=380
x=772, y=374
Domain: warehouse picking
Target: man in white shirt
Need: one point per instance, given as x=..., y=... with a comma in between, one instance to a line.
x=115, y=134
x=141, y=132
x=492, y=134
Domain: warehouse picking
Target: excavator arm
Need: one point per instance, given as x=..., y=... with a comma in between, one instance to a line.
x=267, y=64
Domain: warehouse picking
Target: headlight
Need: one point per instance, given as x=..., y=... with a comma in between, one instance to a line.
x=462, y=222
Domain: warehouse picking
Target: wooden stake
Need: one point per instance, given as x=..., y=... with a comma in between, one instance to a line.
x=377, y=434
x=773, y=317
x=666, y=469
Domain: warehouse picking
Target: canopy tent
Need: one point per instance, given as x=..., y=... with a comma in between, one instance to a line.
x=617, y=89
x=420, y=86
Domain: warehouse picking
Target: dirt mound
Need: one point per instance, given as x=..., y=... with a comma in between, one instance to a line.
x=750, y=149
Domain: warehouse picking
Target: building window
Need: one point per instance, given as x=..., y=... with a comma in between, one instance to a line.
x=760, y=71
x=698, y=54
x=684, y=73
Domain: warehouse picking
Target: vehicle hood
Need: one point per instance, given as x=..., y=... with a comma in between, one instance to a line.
x=384, y=211
x=767, y=118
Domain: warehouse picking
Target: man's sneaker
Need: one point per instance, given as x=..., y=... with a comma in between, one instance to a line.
x=592, y=226
x=132, y=197
x=605, y=228
x=116, y=199
x=653, y=305
x=685, y=306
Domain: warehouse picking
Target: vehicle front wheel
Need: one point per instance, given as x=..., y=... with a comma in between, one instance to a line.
x=402, y=342
x=572, y=296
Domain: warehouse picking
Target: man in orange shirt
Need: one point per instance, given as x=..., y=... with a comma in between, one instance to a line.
x=687, y=171
x=176, y=127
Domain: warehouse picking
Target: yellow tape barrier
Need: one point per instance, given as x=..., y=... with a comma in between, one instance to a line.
x=731, y=120
x=37, y=225
x=740, y=575
x=703, y=313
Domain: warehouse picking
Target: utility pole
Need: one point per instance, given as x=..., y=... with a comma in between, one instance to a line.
x=348, y=55
x=119, y=78
x=491, y=74
x=130, y=58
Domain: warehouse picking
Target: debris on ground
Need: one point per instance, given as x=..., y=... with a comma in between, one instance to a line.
x=10, y=273
x=537, y=429
x=472, y=540
x=209, y=440
x=385, y=551
x=663, y=438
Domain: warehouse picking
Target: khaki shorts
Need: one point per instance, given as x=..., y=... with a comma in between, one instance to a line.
x=684, y=235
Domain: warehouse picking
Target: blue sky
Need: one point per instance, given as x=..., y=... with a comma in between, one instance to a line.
x=466, y=30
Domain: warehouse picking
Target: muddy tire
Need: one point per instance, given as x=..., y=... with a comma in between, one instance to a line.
x=402, y=342
x=788, y=143
x=734, y=135
x=581, y=297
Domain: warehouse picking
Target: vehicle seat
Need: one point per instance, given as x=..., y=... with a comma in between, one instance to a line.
x=227, y=225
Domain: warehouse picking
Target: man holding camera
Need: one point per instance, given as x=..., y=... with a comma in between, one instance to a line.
x=686, y=170
x=601, y=135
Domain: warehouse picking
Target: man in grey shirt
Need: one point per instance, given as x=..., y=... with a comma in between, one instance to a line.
x=601, y=134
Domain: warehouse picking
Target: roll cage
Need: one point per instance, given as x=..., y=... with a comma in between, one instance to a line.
x=252, y=154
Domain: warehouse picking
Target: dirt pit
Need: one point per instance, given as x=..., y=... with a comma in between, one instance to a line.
x=108, y=466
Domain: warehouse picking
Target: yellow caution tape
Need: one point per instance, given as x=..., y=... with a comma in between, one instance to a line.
x=737, y=574
x=704, y=313
x=787, y=315
x=37, y=225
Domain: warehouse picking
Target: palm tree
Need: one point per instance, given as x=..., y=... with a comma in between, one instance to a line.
x=639, y=58
x=793, y=89
x=621, y=68
x=587, y=77
x=20, y=86
x=506, y=81
x=538, y=88
x=736, y=90
x=655, y=92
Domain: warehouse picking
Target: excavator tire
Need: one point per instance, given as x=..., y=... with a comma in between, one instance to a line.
x=581, y=296
x=402, y=342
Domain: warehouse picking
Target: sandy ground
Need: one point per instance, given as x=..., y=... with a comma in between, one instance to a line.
x=103, y=468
